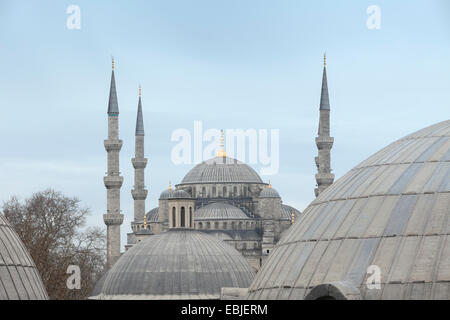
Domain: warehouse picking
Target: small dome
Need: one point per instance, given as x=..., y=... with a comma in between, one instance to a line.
x=153, y=215
x=391, y=211
x=180, y=194
x=221, y=170
x=177, y=264
x=19, y=278
x=269, y=192
x=286, y=212
x=166, y=194
x=219, y=211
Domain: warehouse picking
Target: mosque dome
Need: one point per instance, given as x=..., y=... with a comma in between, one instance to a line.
x=177, y=264
x=390, y=212
x=19, y=278
x=269, y=192
x=221, y=170
x=220, y=211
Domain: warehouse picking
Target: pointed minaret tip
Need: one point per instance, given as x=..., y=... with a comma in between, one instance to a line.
x=140, y=118
x=170, y=185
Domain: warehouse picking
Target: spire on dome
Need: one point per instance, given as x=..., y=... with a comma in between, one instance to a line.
x=221, y=152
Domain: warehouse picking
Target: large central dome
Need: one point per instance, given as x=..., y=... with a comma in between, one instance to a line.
x=221, y=170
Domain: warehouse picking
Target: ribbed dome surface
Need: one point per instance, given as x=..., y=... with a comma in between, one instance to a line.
x=19, y=278
x=178, y=264
x=179, y=194
x=221, y=169
x=392, y=211
x=219, y=211
x=166, y=194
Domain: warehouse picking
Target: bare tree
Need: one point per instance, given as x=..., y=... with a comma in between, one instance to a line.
x=51, y=226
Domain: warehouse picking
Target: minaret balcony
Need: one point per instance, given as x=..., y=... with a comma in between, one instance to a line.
x=113, y=219
x=324, y=178
x=113, y=145
x=113, y=182
x=139, y=163
x=324, y=142
x=139, y=194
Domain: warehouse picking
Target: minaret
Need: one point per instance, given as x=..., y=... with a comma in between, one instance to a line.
x=113, y=181
x=139, y=192
x=324, y=142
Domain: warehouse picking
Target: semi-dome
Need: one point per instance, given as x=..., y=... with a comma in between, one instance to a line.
x=19, y=278
x=220, y=211
x=269, y=192
x=390, y=212
x=177, y=264
x=221, y=170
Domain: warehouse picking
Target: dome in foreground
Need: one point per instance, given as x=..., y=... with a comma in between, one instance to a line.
x=19, y=278
x=221, y=170
x=177, y=264
x=219, y=211
x=269, y=192
x=390, y=212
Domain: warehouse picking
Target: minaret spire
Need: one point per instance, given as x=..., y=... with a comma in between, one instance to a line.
x=139, y=192
x=221, y=152
x=324, y=142
x=113, y=180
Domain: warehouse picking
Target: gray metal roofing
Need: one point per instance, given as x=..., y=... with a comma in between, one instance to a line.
x=19, y=278
x=176, y=263
x=392, y=210
x=179, y=194
x=221, y=170
x=166, y=194
x=219, y=211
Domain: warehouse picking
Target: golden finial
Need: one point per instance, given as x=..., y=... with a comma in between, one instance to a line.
x=112, y=63
x=170, y=185
x=221, y=152
x=292, y=217
x=140, y=90
x=269, y=186
x=325, y=59
x=145, y=221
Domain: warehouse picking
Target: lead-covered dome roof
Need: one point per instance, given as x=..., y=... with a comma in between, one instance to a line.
x=19, y=278
x=391, y=211
x=221, y=170
x=220, y=211
x=177, y=264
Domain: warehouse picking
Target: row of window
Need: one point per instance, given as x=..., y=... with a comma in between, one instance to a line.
x=233, y=225
x=225, y=192
x=185, y=221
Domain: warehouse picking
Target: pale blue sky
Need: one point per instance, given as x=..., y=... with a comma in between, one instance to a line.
x=232, y=64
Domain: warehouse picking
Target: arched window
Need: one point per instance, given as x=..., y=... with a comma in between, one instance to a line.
x=224, y=192
x=183, y=218
x=235, y=191
x=208, y=225
x=247, y=225
x=213, y=191
x=233, y=225
x=216, y=225
x=174, y=219
x=225, y=225
x=191, y=220
x=204, y=192
x=200, y=225
x=240, y=224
